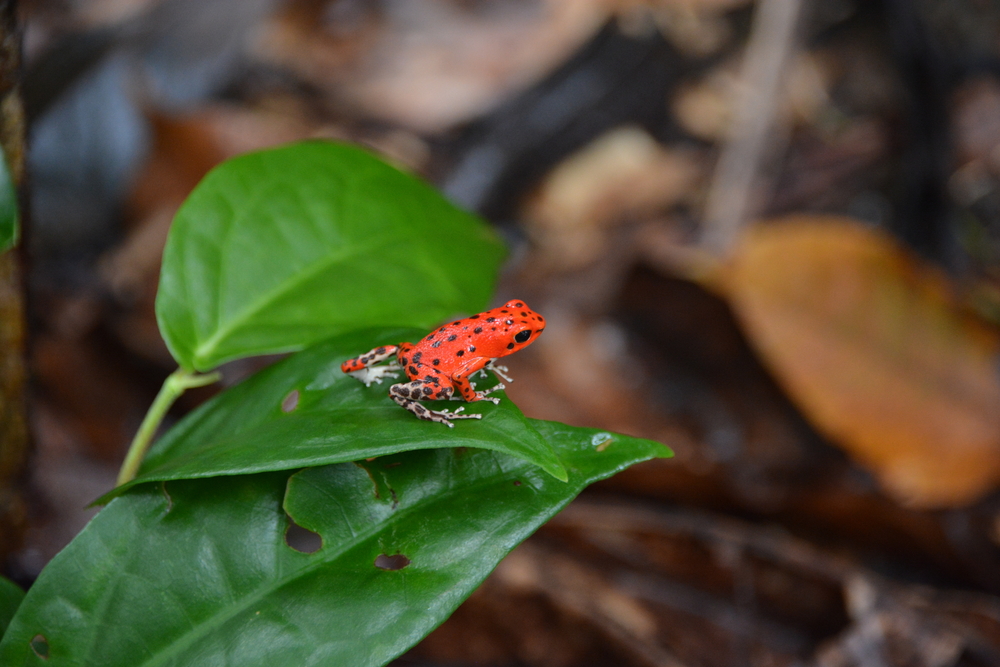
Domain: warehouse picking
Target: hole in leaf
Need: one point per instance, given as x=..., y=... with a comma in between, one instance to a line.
x=40, y=645
x=394, y=562
x=601, y=441
x=291, y=401
x=378, y=477
x=302, y=539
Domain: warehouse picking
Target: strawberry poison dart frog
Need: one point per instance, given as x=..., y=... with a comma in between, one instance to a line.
x=446, y=359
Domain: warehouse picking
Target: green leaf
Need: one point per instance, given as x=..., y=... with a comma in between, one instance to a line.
x=198, y=571
x=335, y=419
x=9, y=228
x=10, y=597
x=276, y=250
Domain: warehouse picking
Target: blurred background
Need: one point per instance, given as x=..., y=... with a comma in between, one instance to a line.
x=764, y=233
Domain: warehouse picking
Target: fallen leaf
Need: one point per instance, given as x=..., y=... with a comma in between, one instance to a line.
x=427, y=65
x=621, y=175
x=697, y=28
x=976, y=114
x=706, y=107
x=872, y=346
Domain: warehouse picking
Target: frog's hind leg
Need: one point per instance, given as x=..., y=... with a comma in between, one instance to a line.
x=439, y=416
x=409, y=395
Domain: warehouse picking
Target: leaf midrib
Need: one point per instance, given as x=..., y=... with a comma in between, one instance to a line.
x=203, y=350
x=186, y=640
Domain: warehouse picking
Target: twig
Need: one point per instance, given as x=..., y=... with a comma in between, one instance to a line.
x=581, y=591
x=773, y=39
x=14, y=440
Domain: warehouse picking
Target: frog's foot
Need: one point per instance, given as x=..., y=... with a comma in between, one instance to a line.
x=501, y=371
x=376, y=373
x=483, y=394
x=454, y=414
x=459, y=397
x=440, y=416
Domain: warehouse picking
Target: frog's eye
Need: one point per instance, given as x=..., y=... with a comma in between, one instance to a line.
x=522, y=336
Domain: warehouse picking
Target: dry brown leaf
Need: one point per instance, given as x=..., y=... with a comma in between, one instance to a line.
x=98, y=13
x=697, y=28
x=185, y=148
x=429, y=64
x=976, y=114
x=870, y=344
x=621, y=175
x=705, y=108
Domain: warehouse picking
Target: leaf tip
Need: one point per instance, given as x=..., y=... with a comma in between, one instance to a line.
x=558, y=471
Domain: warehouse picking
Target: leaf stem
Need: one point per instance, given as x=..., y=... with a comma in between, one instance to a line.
x=176, y=384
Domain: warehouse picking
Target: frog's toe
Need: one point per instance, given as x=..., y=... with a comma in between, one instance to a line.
x=375, y=373
x=501, y=371
x=496, y=401
x=446, y=414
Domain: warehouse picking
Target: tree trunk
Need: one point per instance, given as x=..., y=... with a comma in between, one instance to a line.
x=13, y=422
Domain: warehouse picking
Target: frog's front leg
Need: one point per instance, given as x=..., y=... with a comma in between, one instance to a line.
x=468, y=390
x=501, y=371
x=409, y=395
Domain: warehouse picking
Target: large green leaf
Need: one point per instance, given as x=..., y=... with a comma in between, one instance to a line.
x=197, y=572
x=10, y=597
x=9, y=229
x=276, y=250
x=246, y=429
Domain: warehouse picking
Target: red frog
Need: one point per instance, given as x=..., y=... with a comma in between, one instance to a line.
x=446, y=359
